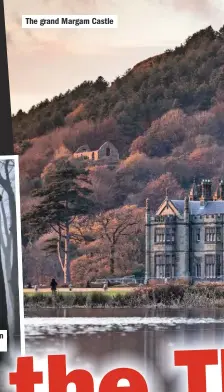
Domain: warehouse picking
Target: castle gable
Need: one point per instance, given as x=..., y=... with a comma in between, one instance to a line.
x=167, y=208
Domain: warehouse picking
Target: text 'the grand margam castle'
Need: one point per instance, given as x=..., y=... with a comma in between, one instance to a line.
x=185, y=238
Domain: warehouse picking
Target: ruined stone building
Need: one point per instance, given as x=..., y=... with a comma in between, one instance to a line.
x=107, y=154
x=185, y=238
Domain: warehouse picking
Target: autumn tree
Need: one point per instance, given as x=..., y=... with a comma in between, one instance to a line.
x=156, y=191
x=93, y=257
x=105, y=187
x=88, y=267
x=116, y=226
x=65, y=195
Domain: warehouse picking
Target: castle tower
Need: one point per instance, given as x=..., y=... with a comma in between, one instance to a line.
x=147, y=241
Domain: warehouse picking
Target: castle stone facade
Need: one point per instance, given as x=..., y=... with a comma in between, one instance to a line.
x=185, y=238
x=107, y=154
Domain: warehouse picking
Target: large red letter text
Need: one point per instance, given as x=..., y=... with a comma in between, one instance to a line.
x=58, y=380
x=25, y=378
x=136, y=381
x=196, y=361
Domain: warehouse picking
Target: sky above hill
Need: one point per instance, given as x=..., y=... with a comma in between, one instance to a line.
x=44, y=63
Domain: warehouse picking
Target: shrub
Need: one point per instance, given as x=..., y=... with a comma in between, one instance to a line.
x=97, y=298
x=165, y=295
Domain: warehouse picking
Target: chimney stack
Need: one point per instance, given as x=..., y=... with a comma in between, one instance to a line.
x=221, y=190
x=193, y=194
x=219, y=194
x=206, y=187
x=186, y=209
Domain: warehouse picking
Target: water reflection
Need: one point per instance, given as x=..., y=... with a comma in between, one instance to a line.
x=123, y=312
x=90, y=335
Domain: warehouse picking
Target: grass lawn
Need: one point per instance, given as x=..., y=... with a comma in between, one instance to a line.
x=166, y=296
x=110, y=291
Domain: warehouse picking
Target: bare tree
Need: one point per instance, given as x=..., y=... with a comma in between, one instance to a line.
x=117, y=225
x=8, y=236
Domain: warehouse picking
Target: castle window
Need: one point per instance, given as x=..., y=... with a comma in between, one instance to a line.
x=93, y=156
x=165, y=266
x=107, y=151
x=160, y=235
x=218, y=234
x=160, y=266
x=170, y=265
x=197, y=270
x=210, y=234
x=210, y=266
x=198, y=235
x=197, y=267
x=168, y=270
x=218, y=266
x=213, y=234
x=170, y=235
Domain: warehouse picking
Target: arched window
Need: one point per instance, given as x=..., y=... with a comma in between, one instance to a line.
x=93, y=156
x=108, y=152
x=197, y=270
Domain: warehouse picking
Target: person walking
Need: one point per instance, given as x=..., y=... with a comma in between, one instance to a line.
x=88, y=284
x=53, y=285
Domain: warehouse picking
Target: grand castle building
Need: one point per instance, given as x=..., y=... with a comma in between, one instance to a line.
x=185, y=238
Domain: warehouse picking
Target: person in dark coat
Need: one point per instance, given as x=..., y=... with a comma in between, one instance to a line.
x=53, y=285
x=88, y=284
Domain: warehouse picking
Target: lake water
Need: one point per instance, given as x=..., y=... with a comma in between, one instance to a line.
x=125, y=336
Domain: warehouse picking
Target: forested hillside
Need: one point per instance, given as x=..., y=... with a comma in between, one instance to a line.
x=165, y=116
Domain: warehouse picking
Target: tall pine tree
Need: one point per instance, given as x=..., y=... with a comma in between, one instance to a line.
x=64, y=195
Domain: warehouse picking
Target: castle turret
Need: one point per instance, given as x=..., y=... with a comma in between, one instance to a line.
x=147, y=241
